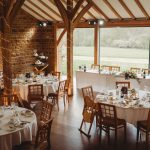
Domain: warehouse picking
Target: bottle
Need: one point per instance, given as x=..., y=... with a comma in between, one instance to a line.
x=144, y=74
x=117, y=93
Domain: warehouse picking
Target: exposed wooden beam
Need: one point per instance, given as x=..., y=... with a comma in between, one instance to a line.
x=66, y=4
x=99, y=11
x=128, y=23
x=35, y=12
x=112, y=9
x=51, y=9
x=127, y=9
x=40, y=9
x=114, y=23
x=142, y=9
x=61, y=36
x=81, y=14
x=9, y=6
x=88, y=12
x=62, y=11
x=96, y=44
x=17, y=6
x=77, y=7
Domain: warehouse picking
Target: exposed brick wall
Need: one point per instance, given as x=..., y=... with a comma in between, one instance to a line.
x=1, y=68
x=27, y=36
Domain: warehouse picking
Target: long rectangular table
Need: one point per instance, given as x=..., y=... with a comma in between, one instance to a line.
x=101, y=82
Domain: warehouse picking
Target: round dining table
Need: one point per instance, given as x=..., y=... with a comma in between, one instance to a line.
x=16, y=126
x=130, y=110
x=50, y=85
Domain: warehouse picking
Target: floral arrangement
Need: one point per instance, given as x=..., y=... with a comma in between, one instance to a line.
x=129, y=75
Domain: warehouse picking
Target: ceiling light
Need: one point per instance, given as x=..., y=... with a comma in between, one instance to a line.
x=101, y=22
x=44, y=24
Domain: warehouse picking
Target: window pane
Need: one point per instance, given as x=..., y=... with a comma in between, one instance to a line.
x=125, y=47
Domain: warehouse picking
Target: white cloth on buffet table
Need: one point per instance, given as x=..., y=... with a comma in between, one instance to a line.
x=49, y=86
x=133, y=110
x=9, y=137
x=106, y=81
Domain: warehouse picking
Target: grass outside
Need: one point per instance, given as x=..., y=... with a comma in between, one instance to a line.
x=108, y=52
x=111, y=52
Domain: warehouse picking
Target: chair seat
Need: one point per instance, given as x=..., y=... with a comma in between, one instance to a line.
x=110, y=122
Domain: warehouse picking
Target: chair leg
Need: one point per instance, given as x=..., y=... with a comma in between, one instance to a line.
x=90, y=128
x=125, y=134
x=100, y=134
x=115, y=135
x=147, y=139
x=57, y=104
x=64, y=100
x=81, y=125
x=137, y=138
x=108, y=132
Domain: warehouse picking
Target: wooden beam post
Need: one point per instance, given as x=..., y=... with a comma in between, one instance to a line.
x=70, y=46
x=96, y=44
x=6, y=55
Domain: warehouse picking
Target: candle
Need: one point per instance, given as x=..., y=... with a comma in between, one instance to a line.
x=5, y=101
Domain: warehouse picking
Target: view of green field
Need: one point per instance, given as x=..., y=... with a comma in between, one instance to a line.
x=125, y=57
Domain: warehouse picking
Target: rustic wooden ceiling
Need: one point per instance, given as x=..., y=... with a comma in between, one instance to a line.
x=46, y=10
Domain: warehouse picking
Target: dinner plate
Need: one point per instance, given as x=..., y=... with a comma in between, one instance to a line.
x=26, y=113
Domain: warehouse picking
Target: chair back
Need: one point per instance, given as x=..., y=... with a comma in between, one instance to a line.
x=88, y=110
x=115, y=68
x=57, y=74
x=107, y=113
x=43, y=133
x=123, y=84
x=135, y=70
x=46, y=111
x=35, y=92
x=7, y=99
x=61, y=87
x=88, y=91
x=147, y=71
x=95, y=66
x=108, y=68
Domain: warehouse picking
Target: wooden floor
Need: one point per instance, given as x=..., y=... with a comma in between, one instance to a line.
x=66, y=136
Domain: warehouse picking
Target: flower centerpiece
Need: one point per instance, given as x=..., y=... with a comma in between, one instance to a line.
x=129, y=75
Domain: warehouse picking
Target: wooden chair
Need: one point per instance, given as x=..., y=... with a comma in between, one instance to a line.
x=88, y=114
x=108, y=120
x=123, y=84
x=147, y=71
x=46, y=111
x=44, y=127
x=43, y=133
x=115, y=68
x=135, y=70
x=95, y=66
x=88, y=91
x=144, y=126
x=60, y=93
x=35, y=93
x=107, y=68
x=57, y=74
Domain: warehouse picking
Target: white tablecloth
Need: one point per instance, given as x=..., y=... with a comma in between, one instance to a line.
x=9, y=138
x=130, y=112
x=22, y=89
x=106, y=81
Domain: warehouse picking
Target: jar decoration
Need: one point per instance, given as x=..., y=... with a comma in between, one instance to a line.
x=133, y=93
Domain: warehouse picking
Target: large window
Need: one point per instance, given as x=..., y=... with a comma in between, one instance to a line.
x=125, y=47
x=83, y=49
